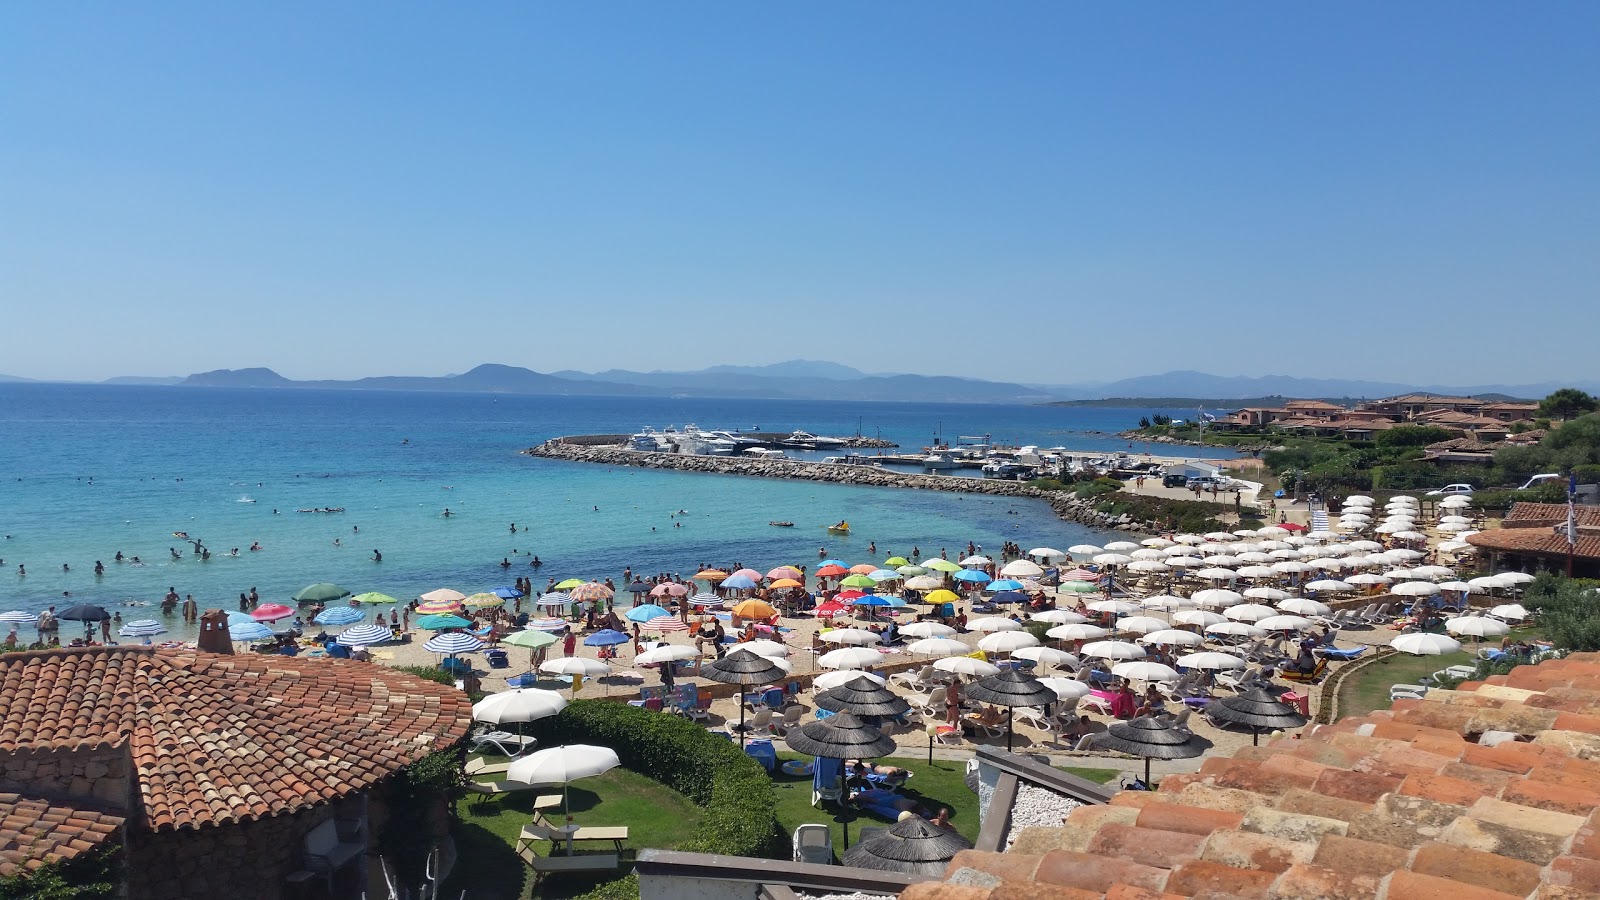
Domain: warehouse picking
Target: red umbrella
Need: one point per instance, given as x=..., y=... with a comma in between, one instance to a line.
x=1292, y=526
x=829, y=610
x=271, y=612
x=851, y=594
x=832, y=571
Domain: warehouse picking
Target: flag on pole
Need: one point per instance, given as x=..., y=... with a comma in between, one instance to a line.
x=1572, y=511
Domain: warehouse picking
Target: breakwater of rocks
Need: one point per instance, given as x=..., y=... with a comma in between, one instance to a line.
x=1071, y=508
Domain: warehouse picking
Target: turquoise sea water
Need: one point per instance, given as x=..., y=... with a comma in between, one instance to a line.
x=90, y=470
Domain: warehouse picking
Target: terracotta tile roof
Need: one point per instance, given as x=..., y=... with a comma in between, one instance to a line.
x=1541, y=528
x=1402, y=803
x=217, y=739
x=35, y=831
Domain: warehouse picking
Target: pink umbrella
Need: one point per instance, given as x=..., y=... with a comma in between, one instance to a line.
x=665, y=623
x=669, y=589
x=751, y=574
x=784, y=572
x=271, y=612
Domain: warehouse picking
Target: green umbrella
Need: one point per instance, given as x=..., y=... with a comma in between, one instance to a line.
x=321, y=592
x=373, y=597
x=859, y=581
x=442, y=622
x=570, y=583
x=1078, y=587
x=531, y=639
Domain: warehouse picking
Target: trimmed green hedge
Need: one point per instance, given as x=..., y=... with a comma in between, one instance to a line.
x=734, y=789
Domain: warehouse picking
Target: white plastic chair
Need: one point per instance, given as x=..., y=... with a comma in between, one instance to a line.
x=813, y=844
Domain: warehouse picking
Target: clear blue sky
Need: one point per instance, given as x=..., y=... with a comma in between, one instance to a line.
x=1044, y=192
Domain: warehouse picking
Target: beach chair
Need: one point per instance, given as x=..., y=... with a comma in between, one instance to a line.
x=1306, y=677
x=827, y=780
x=540, y=829
x=484, y=791
x=813, y=844
x=1407, y=692
x=989, y=731
x=918, y=681
x=930, y=704
x=497, y=659
x=791, y=719
x=504, y=741
x=1180, y=722
x=481, y=766
x=760, y=726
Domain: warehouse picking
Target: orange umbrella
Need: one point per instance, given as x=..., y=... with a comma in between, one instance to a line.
x=710, y=575
x=863, y=569
x=754, y=609
x=832, y=571
x=786, y=583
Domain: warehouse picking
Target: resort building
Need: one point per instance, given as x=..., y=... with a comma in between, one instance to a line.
x=210, y=775
x=1533, y=538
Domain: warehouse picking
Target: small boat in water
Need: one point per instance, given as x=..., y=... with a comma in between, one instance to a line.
x=841, y=528
x=246, y=499
x=782, y=524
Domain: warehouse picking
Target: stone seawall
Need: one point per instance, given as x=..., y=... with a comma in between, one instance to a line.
x=1067, y=507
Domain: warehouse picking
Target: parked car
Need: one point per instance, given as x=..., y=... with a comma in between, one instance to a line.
x=1210, y=484
x=1451, y=490
x=1537, y=480
x=1175, y=480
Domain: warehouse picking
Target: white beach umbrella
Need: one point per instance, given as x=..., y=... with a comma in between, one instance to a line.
x=1221, y=560
x=976, y=561
x=1249, y=612
x=1265, y=593
x=1515, y=578
x=1358, y=500
x=852, y=637
x=1201, y=617
x=1284, y=623
x=1084, y=549
x=1173, y=637
x=1330, y=585
x=1144, y=670
x=1156, y=542
x=1434, y=571
x=1140, y=624
x=1166, y=601
x=1215, y=574
x=924, y=583
x=1409, y=536
x=1489, y=582
x=1272, y=531
x=827, y=681
x=1047, y=656
x=575, y=665
x=1244, y=532
x=1121, y=546
x=1077, y=631
x=1460, y=587
x=1185, y=562
x=1415, y=589
x=1300, y=606
x=769, y=649
x=563, y=765
x=1290, y=565
x=1364, y=546
x=994, y=623
x=966, y=665
x=668, y=653
x=1255, y=557
x=1513, y=612
x=1190, y=539
x=1462, y=519
x=1287, y=553
x=1456, y=502
x=1477, y=626
x=1217, y=597
x=1455, y=546
x=1452, y=527
x=1148, y=553
x=519, y=705
x=1114, y=607
x=1049, y=554
x=1236, y=629
x=1021, y=568
x=1210, y=661
x=1400, y=573
x=1006, y=641
x=940, y=647
x=1328, y=565
x=1067, y=688
x=1112, y=559
x=1148, y=567
x=1112, y=650
x=1424, y=644
x=851, y=658
x=1056, y=617
x=926, y=630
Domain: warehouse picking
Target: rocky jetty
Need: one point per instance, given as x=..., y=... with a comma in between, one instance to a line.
x=1066, y=506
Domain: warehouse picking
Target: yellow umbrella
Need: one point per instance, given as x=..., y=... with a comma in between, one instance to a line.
x=482, y=601
x=893, y=561
x=941, y=596
x=786, y=583
x=754, y=609
x=709, y=575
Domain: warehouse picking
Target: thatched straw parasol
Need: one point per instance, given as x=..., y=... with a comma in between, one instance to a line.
x=1010, y=688
x=743, y=668
x=864, y=697
x=1150, y=738
x=1256, y=709
x=841, y=736
x=913, y=845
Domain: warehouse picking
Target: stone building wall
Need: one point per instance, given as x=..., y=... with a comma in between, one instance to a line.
x=99, y=777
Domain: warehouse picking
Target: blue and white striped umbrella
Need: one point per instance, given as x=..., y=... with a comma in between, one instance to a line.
x=18, y=617
x=251, y=631
x=340, y=615
x=554, y=598
x=142, y=628
x=362, y=635
x=453, y=642
x=239, y=618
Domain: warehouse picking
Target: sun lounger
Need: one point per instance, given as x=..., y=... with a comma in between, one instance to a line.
x=484, y=791
x=504, y=741
x=547, y=865
x=481, y=766
x=540, y=829
x=1342, y=654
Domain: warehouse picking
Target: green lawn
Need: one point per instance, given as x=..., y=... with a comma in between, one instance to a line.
x=1368, y=689
x=656, y=816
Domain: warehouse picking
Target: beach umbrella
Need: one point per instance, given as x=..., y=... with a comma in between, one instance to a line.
x=1114, y=607
x=783, y=584
x=738, y=582
x=1010, y=688
x=1047, y=553
x=924, y=583
x=532, y=639
x=1047, y=656
x=636, y=588
x=254, y=631
x=840, y=736
x=1006, y=597
x=1210, y=661
x=862, y=569
x=483, y=601
x=911, y=571
x=1477, y=626
x=442, y=595
x=1300, y=606
x=1330, y=585
x=1006, y=641
x=754, y=609
x=339, y=615
x=970, y=576
x=863, y=697
x=1249, y=612
x=1144, y=670
x=784, y=572
x=769, y=649
x=1515, y=578
x=1284, y=623
x=1236, y=629
x=566, y=585
x=321, y=592
x=573, y=665
x=1112, y=559
x=1075, y=586
x=1361, y=578
x=373, y=598
x=1150, y=738
x=1067, y=688
x=1185, y=562
x=518, y=705
x=709, y=575
x=1077, y=631
x=142, y=628
x=937, y=597
x=442, y=622
x=563, y=765
x=939, y=647
x=896, y=561
x=1172, y=637
x=1148, y=566
x=606, y=637
x=439, y=607
x=1200, y=617
x=914, y=845
x=829, y=680
x=1217, y=597
x=927, y=630
x=976, y=561
x=670, y=589
x=1511, y=611
x=883, y=575
x=452, y=643
x=1055, y=617
x=853, y=637
x=1021, y=568
x=18, y=617
x=271, y=612
x=865, y=581
x=666, y=653
x=1140, y=624
x=1112, y=650
x=743, y=668
x=590, y=592
x=835, y=571
x=1004, y=584
x=835, y=562
x=965, y=665
x=1085, y=549
x=994, y=623
x=1166, y=601
x=850, y=658
x=1415, y=589
x=1424, y=644
x=646, y=612
x=1459, y=587
x=829, y=610
x=1256, y=709
x=363, y=635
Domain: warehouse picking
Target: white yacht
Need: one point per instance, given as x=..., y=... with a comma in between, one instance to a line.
x=939, y=460
x=764, y=453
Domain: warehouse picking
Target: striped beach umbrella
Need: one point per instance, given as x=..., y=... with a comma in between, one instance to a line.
x=438, y=607
x=339, y=615
x=590, y=592
x=18, y=617
x=249, y=631
x=452, y=643
x=483, y=601
x=362, y=635
x=442, y=622
x=667, y=622
x=142, y=628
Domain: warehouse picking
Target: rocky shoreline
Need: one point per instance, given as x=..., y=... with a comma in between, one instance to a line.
x=1068, y=507
x=1136, y=436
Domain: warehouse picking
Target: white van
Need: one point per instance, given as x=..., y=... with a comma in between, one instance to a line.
x=1537, y=480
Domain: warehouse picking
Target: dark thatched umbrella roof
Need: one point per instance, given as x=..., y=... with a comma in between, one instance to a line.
x=864, y=697
x=1010, y=688
x=1150, y=738
x=743, y=667
x=841, y=736
x=1255, y=708
x=913, y=845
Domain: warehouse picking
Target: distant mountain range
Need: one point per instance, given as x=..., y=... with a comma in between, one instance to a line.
x=813, y=380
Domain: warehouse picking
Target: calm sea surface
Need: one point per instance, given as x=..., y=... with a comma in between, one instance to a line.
x=86, y=471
